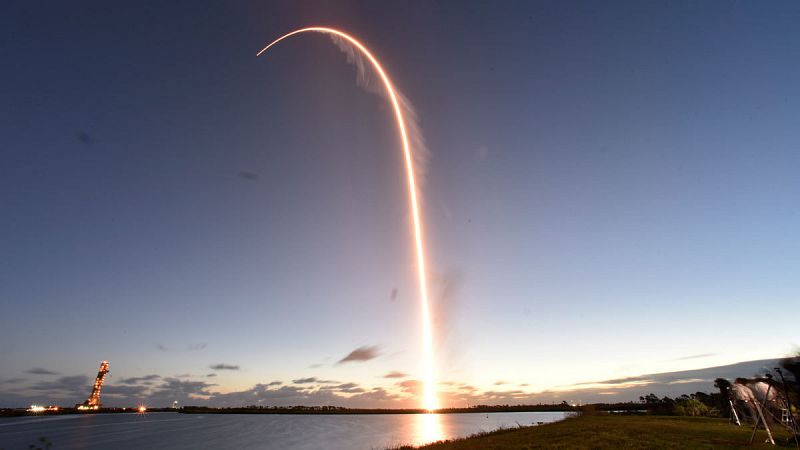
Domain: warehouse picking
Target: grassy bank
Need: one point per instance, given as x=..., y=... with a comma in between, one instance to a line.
x=621, y=431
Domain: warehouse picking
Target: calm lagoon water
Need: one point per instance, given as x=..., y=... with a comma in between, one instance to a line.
x=255, y=431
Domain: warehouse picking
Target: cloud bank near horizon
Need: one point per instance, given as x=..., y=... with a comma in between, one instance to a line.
x=155, y=390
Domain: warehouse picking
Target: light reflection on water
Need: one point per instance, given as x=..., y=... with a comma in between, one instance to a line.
x=428, y=429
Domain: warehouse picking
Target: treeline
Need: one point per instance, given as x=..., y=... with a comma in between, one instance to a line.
x=540, y=407
x=791, y=376
x=258, y=409
x=697, y=404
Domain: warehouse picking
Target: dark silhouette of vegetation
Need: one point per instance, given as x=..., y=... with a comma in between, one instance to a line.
x=697, y=404
x=257, y=409
x=724, y=387
x=42, y=444
x=791, y=374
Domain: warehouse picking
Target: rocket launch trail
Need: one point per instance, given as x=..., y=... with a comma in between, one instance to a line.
x=430, y=400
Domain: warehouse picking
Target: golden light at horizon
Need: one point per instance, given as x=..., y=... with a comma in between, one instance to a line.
x=430, y=400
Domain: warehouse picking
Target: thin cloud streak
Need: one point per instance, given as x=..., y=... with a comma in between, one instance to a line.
x=361, y=354
x=41, y=371
x=223, y=366
x=701, y=355
x=395, y=374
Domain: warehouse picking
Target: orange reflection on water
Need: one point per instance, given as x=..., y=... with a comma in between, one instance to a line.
x=428, y=428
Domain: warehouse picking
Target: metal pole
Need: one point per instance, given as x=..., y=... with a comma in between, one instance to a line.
x=795, y=429
x=733, y=411
x=762, y=418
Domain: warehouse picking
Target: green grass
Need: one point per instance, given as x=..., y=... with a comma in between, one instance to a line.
x=621, y=431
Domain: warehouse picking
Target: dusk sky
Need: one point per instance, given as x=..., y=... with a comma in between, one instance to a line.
x=612, y=190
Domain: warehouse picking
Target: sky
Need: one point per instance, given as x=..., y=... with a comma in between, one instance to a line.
x=611, y=191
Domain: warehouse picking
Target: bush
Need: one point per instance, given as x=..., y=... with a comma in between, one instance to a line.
x=691, y=407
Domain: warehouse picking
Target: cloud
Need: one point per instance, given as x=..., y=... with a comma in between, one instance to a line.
x=616, y=381
x=223, y=366
x=410, y=386
x=661, y=384
x=496, y=394
x=262, y=394
x=346, y=394
x=690, y=380
x=210, y=375
x=376, y=398
x=198, y=346
x=345, y=388
x=395, y=374
x=163, y=391
x=124, y=392
x=500, y=383
x=310, y=380
x=74, y=386
x=184, y=391
x=315, y=366
x=147, y=379
x=404, y=393
x=13, y=380
x=701, y=355
x=349, y=388
x=40, y=371
x=84, y=138
x=364, y=353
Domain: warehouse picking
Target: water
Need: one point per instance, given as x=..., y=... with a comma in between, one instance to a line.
x=252, y=431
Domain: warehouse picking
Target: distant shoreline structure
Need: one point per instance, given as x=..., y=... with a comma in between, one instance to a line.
x=298, y=410
x=335, y=410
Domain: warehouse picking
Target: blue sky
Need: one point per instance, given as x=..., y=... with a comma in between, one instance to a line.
x=612, y=189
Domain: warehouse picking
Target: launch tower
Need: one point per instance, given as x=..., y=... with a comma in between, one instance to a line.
x=93, y=402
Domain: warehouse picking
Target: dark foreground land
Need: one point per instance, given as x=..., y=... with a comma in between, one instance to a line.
x=621, y=431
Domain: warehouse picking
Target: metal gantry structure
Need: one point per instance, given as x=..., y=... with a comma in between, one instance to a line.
x=93, y=402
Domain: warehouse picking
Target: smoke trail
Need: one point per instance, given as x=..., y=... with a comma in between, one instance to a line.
x=366, y=79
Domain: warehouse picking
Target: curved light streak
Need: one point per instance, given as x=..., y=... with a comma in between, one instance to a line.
x=430, y=401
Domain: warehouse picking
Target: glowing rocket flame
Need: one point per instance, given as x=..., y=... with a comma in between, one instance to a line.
x=429, y=394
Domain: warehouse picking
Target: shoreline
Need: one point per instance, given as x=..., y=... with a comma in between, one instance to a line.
x=348, y=411
x=611, y=431
x=297, y=410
